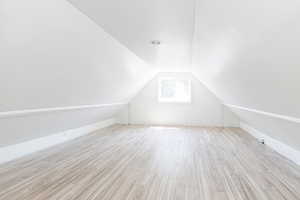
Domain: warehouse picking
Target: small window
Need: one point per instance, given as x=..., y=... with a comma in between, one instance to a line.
x=174, y=90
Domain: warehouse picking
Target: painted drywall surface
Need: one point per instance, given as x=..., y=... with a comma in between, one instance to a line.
x=204, y=110
x=16, y=130
x=247, y=52
x=230, y=119
x=136, y=22
x=12, y=152
x=51, y=55
x=122, y=116
x=284, y=131
x=282, y=148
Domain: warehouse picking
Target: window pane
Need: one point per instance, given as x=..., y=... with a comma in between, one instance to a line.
x=174, y=90
x=168, y=89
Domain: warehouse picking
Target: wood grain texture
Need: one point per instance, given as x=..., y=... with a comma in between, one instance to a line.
x=153, y=163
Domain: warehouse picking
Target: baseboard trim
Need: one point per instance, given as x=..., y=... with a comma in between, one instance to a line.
x=13, y=152
x=276, y=145
x=178, y=125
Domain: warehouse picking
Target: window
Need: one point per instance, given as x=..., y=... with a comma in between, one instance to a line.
x=174, y=90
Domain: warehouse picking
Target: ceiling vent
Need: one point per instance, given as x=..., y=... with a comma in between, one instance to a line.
x=155, y=42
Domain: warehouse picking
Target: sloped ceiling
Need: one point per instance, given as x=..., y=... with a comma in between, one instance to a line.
x=246, y=52
x=135, y=23
x=52, y=55
x=52, y=51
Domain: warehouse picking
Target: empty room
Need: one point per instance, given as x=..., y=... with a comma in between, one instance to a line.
x=150, y=100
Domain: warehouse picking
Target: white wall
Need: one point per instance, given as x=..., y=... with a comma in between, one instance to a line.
x=51, y=55
x=247, y=52
x=204, y=110
x=284, y=131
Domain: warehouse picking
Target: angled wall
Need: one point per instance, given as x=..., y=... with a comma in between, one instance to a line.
x=204, y=110
x=54, y=56
x=285, y=131
x=247, y=52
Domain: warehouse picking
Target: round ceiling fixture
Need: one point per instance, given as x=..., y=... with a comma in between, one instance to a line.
x=155, y=42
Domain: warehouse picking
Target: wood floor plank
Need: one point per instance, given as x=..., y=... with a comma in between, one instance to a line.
x=153, y=163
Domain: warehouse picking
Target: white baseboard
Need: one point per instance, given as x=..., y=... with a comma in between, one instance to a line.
x=276, y=145
x=12, y=152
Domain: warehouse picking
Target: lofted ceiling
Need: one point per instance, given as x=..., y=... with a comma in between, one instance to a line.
x=135, y=23
x=247, y=52
x=239, y=55
x=246, y=59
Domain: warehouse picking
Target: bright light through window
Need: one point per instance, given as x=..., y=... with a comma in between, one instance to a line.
x=174, y=90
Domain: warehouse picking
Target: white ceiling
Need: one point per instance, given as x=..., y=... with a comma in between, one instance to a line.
x=247, y=52
x=135, y=23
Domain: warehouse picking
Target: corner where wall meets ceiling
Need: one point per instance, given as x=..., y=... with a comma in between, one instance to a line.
x=248, y=60
x=247, y=52
x=135, y=23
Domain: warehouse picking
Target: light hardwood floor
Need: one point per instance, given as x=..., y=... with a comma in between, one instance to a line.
x=154, y=163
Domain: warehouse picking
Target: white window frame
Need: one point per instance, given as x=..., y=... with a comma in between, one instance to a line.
x=166, y=100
